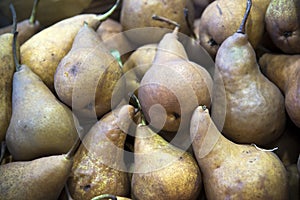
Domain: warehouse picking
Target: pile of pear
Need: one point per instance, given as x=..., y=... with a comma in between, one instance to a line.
x=81, y=119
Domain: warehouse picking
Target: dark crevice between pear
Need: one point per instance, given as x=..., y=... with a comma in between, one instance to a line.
x=242, y=28
x=32, y=18
x=2, y=151
x=186, y=16
x=287, y=34
x=212, y=42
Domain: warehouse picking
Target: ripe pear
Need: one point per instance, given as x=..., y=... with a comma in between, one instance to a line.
x=161, y=170
x=111, y=33
x=40, y=124
x=40, y=179
x=173, y=86
x=254, y=106
x=26, y=28
x=99, y=166
x=136, y=14
x=284, y=71
x=87, y=76
x=235, y=171
x=288, y=145
x=44, y=50
x=220, y=19
x=136, y=66
x=7, y=69
x=283, y=24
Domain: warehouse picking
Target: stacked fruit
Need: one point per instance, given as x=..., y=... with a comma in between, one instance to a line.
x=174, y=100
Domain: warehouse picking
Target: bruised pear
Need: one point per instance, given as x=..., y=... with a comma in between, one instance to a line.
x=235, y=171
x=99, y=166
x=253, y=109
x=87, y=76
x=43, y=51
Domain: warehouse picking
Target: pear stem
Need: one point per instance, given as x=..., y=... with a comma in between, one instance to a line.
x=186, y=16
x=33, y=12
x=163, y=19
x=105, y=196
x=14, y=17
x=104, y=16
x=73, y=149
x=137, y=102
x=242, y=28
x=16, y=59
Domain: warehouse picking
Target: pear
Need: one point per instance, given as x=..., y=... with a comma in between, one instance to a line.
x=136, y=66
x=7, y=69
x=173, y=86
x=99, y=166
x=87, y=76
x=254, y=106
x=288, y=145
x=283, y=24
x=220, y=19
x=40, y=124
x=136, y=14
x=284, y=71
x=235, y=171
x=40, y=179
x=44, y=50
x=161, y=170
x=26, y=28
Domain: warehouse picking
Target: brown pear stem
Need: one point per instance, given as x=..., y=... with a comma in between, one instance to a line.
x=163, y=19
x=186, y=16
x=104, y=16
x=73, y=149
x=105, y=196
x=15, y=55
x=242, y=28
x=33, y=12
x=14, y=17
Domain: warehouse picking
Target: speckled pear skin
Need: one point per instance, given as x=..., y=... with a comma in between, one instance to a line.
x=235, y=171
x=40, y=179
x=99, y=166
x=40, y=124
x=282, y=24
x=7, y=69
x=161, y=170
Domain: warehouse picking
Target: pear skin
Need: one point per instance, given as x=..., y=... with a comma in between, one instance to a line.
x=254, y=106
x=284, y=71
x=161, y=170
x=88, y=75
x=7, y=69
x=40, y=124
x=99, y=166
x=47, y=176
x=173, y=86
x=283, y=24
x=220, y=19
x=235, y=171
x=136, y=66
x=44, y=50
x=26, y=28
